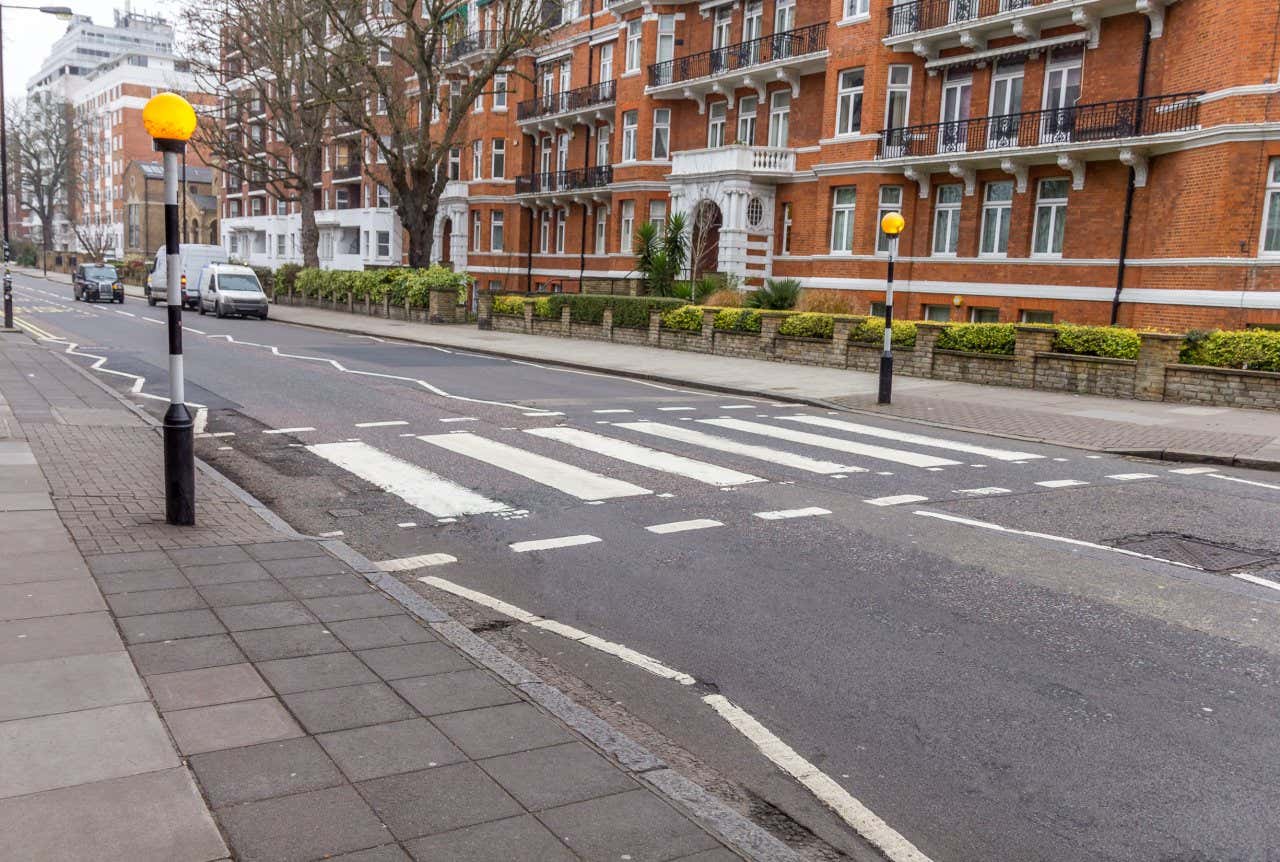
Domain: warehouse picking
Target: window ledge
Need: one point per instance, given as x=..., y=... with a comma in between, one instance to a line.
x=857, y=19
x=632, y=74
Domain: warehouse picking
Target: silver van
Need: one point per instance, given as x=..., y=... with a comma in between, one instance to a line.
x=191, y=259
x=225, y=289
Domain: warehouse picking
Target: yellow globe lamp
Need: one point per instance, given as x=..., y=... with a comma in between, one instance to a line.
x=893, y=223
x=169, y=117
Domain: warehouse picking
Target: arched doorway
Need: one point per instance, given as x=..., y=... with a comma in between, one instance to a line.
x=704, y=245
x=446, y=241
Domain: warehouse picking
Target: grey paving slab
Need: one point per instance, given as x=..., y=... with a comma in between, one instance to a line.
x=279, y=768
x=154, y=602
x=51, y=637
x=389, y=749
x=50, y=565
x=244, y=593
x=636, y=824
x=24, y=522
x=381, y=632
x=170, y=626
x=401, y=662
x=303, y=827
x=327, y=585
x=208, y=556
x=353, y=706
x=352, y=607
x=270, y=615
x=24, y=501
x=138, y=581
x=289, y=642
x=514, y=839
x=225, y=573
x=48, y=599
x=151, y=817
x=385, y=853
x=66, y=684
x=719, y=854
x=281, y=550
x=454, y=692
x=137, y=561
x=297, y=567
x=42, y=540
x=331, y=670
x=230, y=725
x=185, y=654
x=437, y=800
x=186, y=689
x=555, y=776
x=78, y=747
x=497, y=730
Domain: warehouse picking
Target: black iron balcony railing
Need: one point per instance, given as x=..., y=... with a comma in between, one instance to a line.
x=470, y=43
x=593, y=177
x=257, y=185
x=346, y=171
x=600, y=93
x=1101, y=121
x=744, y=55
x=916, y=16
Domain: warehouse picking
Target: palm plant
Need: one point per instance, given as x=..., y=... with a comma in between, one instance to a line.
x=662, y=254
x=777, y=294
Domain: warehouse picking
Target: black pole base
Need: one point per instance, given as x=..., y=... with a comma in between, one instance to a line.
x=179, y=466
x=886, y=378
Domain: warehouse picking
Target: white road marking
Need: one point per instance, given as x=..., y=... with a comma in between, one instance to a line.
x=1245, y=481
x=222, y=433
x=677, y=409
x=201, y=420
x=572, y=480
x=784, y=514
x=865, y=449
x=617, y=650
x=618, y=410
x=1194, y=471
x=544, y=413
x=459, y=419
x=733, y=447
x=1063, y=539
x=643, y=456
x=737, y=406
x=387, y=424
x=193, y=329
x=850, y=810
x=916, y=439
x=896, y=501
x=1131, y=477
x=1061, y=483
x=409, y=482
x=153, y=320
x=683, y=526
x=552, y=544
x=332, y=534
x=288, y=430
x=408, y=564
x=125, y=313
x=982, y=492
x=1254, y=579
x=1093, y=457
x=407, y=524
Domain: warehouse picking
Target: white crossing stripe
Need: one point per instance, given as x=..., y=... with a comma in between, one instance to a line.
x=551, y=544
x=619, y=410
x=386, y=424
x=1254, y=579
x=409, y=482
x=733, y=447
x=865, y=449
x=458, y=419
x=1131, y=477
x=572, y=480
x=677, y=409
x=738, y=406
x=983, y=492
x=684, y=526
x=1061, y=483
x=784, y=514
x=917, y=439
x=408, y=564
x=896, y=501
x=1194, y=471
x=643, y=456
x=288, y=430
x=544, y=413
x=1245, y=481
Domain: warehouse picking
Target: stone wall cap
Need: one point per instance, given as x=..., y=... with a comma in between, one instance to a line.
x=1163, y=336
x=1035, y=327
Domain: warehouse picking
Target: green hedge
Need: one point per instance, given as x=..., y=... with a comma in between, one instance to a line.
x=807, y=324
x=1111, y=341
x=1253, y=350
x=870, y=330
x=509, y=305
x=396, y=284
x=738, y=320
x=687, y=318
x=994, y=338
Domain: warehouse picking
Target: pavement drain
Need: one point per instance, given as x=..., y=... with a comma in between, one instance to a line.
x=1207, y=555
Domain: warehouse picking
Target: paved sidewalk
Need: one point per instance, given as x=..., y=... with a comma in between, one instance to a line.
x=319, y=717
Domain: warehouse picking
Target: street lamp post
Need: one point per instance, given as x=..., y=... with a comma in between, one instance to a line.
x=170, y=121
x=892, y=225
x=62, y=12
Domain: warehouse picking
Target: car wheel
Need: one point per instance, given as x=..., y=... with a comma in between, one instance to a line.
x=262, y=316
x=120, y=300
x=202, y=311
x=217, y=309
x=151, y=300
x=77, y=295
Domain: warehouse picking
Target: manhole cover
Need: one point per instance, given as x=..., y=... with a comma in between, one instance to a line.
x=1210, y=556
x=344, y=513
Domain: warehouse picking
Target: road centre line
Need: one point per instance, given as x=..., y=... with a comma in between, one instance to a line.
x=786, y=514
x=643, y=456
x=1244, y=481
x=408, y=564
x=916, y=439
x=1066, y=540
x=1061, y=483
x=839, y=444
x=897, y=500
x=677, y=409
x=384, y=424
x=552, y=544
x=298, y=430
x=684, y=526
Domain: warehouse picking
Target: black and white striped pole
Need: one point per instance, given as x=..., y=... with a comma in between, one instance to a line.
x=170, y=120
x=892, y=225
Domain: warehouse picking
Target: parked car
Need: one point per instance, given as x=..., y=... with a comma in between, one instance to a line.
x=226, y=289
x=191, y=260
x=97, y=281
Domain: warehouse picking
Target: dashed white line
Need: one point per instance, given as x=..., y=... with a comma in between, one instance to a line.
x=332, y=534
x=982, y=492
x=125, y=313
x=1254, y=579
x=288, y=430
x=677, y=409
x=897, y=500
x=1131, y=477
x=1061, y=483
x=684, y=526
x=459, y=419
x=616, y=410
x=737, y=406
x=552, y=544
x=421, y=561
x=544, y=413
x=153, y=320
x=407, y=524
x=1245, y=481
x=384, y=424
x=1194, y=471
x=785, y=514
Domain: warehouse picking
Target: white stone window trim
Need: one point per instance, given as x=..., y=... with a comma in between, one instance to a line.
x=1035, y=218
x=1271, y=198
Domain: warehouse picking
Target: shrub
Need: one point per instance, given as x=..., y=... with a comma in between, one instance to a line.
x=544, y=308
x=829, y=301
x=420, y=283
x=266, y=277
x=995, y=338
x=508, y=305
x=1253, y=350
x=807, y=324
x=738, y=320
x=1097, y=341
x=725, y=298
x=309, y=282
x=687, y=318
x=286, y=276
x=777, y=294
x=870, y=330
x=628, y=311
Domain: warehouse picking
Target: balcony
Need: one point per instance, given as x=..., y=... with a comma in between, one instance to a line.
x=782, y=56
x=561, y=110
x=752, y=162
x=348, y=171
x=470, y=47
x=573, y=184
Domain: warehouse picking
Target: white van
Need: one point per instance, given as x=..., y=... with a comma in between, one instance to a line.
x=191, y=259
x=225, y=289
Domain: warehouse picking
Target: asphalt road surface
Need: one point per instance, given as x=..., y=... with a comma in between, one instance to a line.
x=939, y=623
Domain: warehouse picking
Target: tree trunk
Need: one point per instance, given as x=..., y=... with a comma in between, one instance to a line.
x=308, y=233
x=418, y=226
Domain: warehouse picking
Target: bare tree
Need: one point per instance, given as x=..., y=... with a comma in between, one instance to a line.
x=264, y=61
x=393, y=77
x=94, y=233
x=42, y=135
